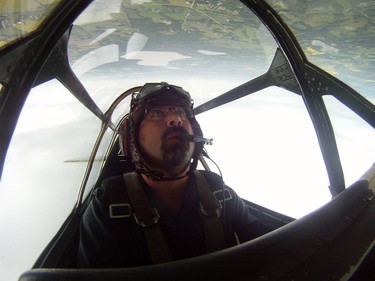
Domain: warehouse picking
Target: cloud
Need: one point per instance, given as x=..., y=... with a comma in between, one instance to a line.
x=154, y=58
x=210, y=53
x=102, y=55
x=136, y=43
x=103, y=35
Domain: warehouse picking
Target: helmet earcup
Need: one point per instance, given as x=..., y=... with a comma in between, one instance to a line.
x=124, y=137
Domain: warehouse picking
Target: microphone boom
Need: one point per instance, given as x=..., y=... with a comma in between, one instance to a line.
x=194, y=138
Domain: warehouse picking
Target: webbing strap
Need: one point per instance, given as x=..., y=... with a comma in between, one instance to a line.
x=210, y=213
x=147, y=217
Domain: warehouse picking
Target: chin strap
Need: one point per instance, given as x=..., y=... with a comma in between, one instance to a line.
x=161, y=177
x=140, y=168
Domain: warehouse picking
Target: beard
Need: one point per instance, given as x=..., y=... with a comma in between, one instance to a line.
x=176, y=152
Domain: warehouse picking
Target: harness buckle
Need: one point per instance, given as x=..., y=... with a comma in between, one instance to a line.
x=221, y=196
x=118, y=211
x=150, y=221
x=208, y=212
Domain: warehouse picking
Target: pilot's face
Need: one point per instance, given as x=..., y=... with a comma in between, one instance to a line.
x=163, y=139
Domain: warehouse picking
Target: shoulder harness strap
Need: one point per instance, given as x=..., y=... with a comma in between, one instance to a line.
x=147, y=217
x=210, y=210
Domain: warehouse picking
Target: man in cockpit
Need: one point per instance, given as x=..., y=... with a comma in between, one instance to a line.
x=166, y=209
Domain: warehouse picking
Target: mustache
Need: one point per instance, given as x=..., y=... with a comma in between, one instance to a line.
x=179, y=132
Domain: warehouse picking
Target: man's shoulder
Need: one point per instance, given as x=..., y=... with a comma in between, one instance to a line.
x=209, y=174
x=214, y=181
x=114, y=190
x=217, y=186
x=113, y=182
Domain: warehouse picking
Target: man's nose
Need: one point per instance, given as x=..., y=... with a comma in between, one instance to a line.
x=173, y=119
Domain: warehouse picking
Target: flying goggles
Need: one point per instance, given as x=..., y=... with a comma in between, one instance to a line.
x=159, y=98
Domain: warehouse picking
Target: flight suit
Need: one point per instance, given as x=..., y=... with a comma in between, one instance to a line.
x=108, y=240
